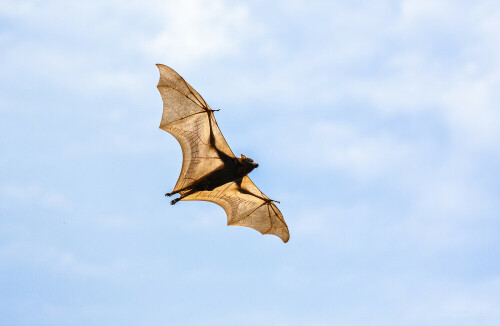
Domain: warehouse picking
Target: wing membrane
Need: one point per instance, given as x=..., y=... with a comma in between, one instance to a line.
x=246, y=206
x=187, y=117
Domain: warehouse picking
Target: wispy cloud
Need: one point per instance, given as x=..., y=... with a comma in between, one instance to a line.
x=195, y=30
x=33, y=194
x=378, y=122
x=56, y=260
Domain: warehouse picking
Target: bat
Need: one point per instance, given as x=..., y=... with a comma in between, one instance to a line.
x=210, y=171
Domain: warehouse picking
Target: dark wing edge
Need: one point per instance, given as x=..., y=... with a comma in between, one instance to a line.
x=250, y=208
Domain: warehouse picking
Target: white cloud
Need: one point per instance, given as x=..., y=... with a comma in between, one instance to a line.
x=471, y=108
x=33, y=194
x=86, y=50
x=194, y=30
x=413, y=9
x=57, y=260
x=449, y=208
x=435, y=57
x=316, y=63
x=339, y=227
x=345, y=147
x=451, y=303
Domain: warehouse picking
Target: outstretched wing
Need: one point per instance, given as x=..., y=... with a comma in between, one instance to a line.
x=189, y=119
x=246, y=205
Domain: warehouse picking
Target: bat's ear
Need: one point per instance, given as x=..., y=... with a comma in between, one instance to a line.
x=243, y=156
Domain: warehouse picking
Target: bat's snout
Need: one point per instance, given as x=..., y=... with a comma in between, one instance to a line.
x=248, y=162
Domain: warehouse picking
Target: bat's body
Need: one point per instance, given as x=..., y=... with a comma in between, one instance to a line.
x=232, y=170
x=210, y=170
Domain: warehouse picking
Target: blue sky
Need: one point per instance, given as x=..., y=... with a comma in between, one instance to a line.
x=376, y=125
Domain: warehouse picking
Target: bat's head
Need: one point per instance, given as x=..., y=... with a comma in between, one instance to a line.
x=248, y=163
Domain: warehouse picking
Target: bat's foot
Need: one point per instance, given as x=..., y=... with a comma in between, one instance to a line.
x=168, y=194
x=174, y=201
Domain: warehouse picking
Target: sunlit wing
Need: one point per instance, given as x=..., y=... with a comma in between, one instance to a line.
x=254, y=210
x=186, y=117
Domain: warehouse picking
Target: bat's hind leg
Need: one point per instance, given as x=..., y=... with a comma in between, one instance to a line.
x=170, y=194
x=173, y=202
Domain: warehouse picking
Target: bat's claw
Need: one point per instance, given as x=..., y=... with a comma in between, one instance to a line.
x=174, y=201
x=168, y=194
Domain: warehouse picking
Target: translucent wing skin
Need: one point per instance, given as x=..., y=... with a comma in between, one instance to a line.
x=185, y=116
x=191, y=121
x=250, y=207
